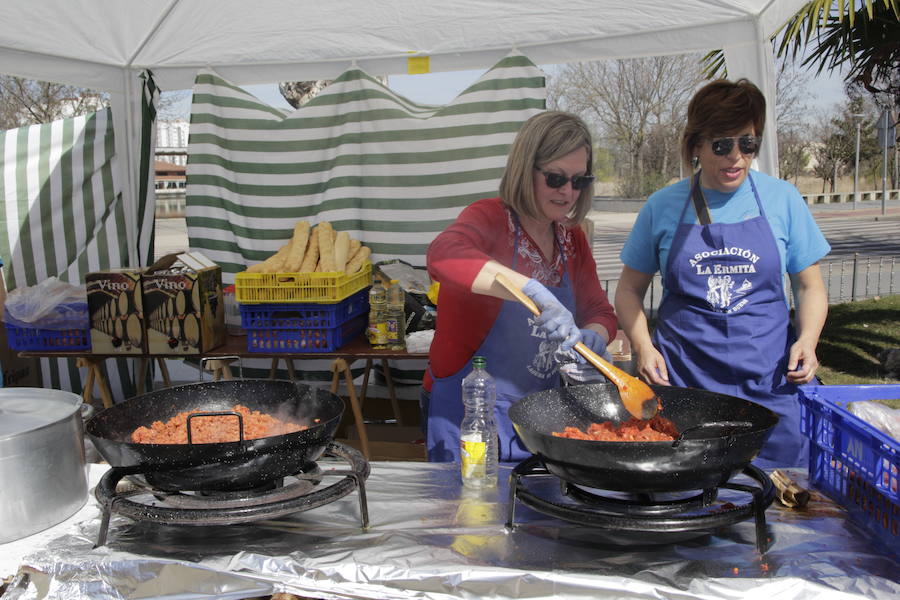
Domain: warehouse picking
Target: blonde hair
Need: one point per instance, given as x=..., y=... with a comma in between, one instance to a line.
x=544, y=138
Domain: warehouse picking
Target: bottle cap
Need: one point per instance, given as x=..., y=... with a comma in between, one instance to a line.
x=479, y=361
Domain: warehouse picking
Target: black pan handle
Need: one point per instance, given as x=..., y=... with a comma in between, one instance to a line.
x=225, y=413
x=714, y=425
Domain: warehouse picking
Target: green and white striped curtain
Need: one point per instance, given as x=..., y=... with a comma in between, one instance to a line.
x=64, y=215
x=391, y=172
x=146, y=200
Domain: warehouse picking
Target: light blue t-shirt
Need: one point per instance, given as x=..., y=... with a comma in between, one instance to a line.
x=800, y=241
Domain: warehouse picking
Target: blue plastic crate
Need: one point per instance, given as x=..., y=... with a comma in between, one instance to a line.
x=304, y=316
x=25, y=339
x=290, y=341
x=855, y=464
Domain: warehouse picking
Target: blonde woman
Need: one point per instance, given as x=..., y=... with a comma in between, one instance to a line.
x=530, y=234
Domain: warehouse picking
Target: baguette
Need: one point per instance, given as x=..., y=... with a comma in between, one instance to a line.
x=354, y=246
x=261, y=267
x=326, y=247
x=298, y=247
x=341, y=250
x=275, y=263
x=356, y=262
x=311, y=258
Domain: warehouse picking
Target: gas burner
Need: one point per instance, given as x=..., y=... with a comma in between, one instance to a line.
x=648, y=513
x=295, y=493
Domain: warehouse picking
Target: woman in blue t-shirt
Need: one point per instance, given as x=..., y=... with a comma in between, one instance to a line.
x=723, y=240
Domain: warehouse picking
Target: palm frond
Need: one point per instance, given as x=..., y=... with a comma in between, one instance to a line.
x=713, y=66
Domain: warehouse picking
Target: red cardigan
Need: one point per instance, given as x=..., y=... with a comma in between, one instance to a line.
x=486, y=230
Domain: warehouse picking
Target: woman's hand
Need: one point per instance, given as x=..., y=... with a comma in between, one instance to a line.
x=651, y=366
x=596, y=342
x=812, y=308
x=802, y=362
x=555, y=319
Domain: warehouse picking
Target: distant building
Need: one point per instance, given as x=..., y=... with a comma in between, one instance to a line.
x=169, y=176
x=172, y=141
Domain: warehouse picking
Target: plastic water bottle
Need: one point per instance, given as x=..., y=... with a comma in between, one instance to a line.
x=396, y=316
x=478, y=431
x=377, y=330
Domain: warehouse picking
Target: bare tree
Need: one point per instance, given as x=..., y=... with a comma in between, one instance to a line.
x=26, y=102
x=298, y=93
x=792, y=117
x=638, y=105
x=169, y=106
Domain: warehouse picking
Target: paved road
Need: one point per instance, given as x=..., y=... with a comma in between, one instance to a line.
x=865, y=231
x=846, y=230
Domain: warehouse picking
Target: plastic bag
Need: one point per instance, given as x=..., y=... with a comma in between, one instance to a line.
x=881, y=417
x=52, y=304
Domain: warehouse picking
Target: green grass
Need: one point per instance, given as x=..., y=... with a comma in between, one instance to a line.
x=854, y=334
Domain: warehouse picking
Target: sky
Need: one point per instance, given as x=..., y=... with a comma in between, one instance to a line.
x=442, y=88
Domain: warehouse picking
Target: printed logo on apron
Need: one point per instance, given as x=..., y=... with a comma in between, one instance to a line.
x=729, y=274
x=542, y=364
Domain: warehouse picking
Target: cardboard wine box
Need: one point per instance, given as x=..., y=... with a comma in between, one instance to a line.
x=117, y=312
x=184, y=305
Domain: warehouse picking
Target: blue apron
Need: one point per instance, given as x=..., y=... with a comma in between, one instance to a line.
x=520, y=359
x=724, y=325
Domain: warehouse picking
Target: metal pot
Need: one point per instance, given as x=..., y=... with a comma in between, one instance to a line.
x=43, y=478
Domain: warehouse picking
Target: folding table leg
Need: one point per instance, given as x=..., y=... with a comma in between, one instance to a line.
x=144, y=366
x=88, y=392
x=340, y=366
x=94, y=374
x=288, y=363
x=392, y=394
x=365, y=382
x=164, y=371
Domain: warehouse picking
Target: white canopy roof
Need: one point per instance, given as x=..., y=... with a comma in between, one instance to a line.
x=90, y=42
x=105, y=44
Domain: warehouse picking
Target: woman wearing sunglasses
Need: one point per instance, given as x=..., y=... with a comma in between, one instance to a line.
x=723, y=240
x=531, y=235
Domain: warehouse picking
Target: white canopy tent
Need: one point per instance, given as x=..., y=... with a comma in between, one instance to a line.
x=105, y=44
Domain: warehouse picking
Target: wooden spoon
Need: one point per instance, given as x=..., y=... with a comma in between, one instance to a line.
x=637, y=397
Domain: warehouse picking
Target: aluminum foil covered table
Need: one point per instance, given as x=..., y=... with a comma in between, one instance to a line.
x=429, y=538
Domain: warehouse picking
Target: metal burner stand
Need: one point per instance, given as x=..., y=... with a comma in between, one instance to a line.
x=177, y=508
x=643, y=514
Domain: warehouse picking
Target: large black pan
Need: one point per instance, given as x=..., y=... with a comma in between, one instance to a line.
x=222, y=466
x=704, y=458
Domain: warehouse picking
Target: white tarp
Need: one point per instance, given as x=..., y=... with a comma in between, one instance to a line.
x=105, y=44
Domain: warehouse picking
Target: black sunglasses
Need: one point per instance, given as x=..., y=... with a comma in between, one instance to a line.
x=557, y=180
x=747, y=144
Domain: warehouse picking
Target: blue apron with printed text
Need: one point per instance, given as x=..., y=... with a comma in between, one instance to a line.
x=521, y=361
x=724, y=325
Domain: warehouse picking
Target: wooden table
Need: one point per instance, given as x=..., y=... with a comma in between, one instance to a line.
x=235, y=348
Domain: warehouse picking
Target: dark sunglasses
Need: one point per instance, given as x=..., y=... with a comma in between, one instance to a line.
x=557, y=180
x=747, y=144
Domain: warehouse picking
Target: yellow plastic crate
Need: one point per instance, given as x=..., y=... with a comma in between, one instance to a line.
x=258, y=288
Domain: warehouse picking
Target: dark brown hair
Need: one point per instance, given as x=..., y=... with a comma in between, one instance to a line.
x=543, y=138
x=722, y=107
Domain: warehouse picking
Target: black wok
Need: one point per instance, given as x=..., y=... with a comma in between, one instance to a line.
x=235, y=465
x=704, y=458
